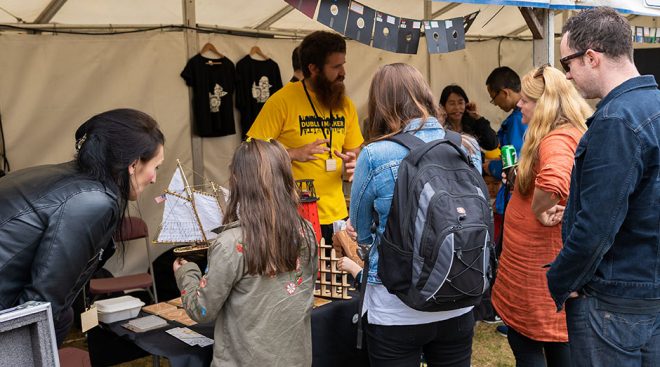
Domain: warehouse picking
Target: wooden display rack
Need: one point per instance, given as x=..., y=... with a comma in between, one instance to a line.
x=332, y=282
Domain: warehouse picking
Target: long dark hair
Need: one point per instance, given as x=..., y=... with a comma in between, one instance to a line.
x=398, y=94
x=444, y=96
x=265, y=200
x=452, y=88
x=109, y=142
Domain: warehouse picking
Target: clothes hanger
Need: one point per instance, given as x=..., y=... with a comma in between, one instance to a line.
x=208, y=47
x=256, y=50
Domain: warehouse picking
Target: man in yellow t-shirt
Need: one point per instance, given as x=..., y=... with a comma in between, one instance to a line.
x=317, y=123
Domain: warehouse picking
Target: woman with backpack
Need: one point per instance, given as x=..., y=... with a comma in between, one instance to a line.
x=259, y=283
x=400, y=100
x=555, y=114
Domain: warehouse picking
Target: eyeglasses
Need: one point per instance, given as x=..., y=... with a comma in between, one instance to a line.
x=492, y=101
x=540, y=70
x=564, y=61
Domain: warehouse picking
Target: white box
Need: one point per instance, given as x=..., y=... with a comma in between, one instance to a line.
x=116, y=309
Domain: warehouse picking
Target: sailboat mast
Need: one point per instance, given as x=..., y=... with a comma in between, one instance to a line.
x=192, y=200
x=219, y=197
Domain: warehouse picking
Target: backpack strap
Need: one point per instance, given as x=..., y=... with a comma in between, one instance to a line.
x=452, y=138
x=364, y=255
x=409, y=141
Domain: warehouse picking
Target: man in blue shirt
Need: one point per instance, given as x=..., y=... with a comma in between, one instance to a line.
x=607, y=276
x=503, y=86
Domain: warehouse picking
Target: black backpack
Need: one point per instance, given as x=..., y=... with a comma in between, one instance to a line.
x=436, y=252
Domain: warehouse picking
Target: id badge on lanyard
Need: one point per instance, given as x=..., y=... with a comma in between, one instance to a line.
x=331, y=162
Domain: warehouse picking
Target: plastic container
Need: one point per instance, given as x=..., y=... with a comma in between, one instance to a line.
x=116, y=309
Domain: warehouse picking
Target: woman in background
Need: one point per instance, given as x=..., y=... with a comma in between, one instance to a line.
x=462, y=117
x=397, y=335
x=57, y=221
x=259, y=284
x=556, y=115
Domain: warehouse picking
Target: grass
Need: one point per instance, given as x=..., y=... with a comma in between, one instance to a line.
x=489, y=349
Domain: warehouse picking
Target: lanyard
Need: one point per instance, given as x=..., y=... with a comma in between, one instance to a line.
x=319, y=120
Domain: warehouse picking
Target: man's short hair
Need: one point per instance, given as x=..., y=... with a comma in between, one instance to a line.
x=295, y=58
x=503, y=77
x=317, y=46
x=600, y=28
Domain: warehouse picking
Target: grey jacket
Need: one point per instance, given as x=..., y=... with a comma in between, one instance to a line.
x=55, y=224
x=259, y=320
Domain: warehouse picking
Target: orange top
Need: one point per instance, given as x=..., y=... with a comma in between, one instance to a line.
x=520, y=294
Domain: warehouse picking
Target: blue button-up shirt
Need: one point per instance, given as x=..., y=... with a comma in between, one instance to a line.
x=512, y=132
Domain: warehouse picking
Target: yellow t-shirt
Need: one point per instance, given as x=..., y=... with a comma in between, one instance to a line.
x=288, y=117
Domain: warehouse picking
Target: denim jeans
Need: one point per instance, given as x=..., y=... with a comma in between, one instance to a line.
x=533, y=353
x=444, y=343
x=600, y=336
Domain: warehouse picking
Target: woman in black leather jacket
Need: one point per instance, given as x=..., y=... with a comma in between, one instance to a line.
x=57, y=221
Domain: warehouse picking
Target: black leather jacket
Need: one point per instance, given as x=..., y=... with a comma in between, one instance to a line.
x=55, y=225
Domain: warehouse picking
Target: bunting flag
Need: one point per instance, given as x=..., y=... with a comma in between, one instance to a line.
x=409, y=32
x=360, y=24
x=386, y=32
x=333, y=13
x=307, y=7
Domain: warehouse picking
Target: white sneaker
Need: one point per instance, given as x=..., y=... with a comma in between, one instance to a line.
x=496, y=320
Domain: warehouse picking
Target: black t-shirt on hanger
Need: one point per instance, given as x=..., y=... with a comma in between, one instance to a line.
x=256, y=81
x=213, y=82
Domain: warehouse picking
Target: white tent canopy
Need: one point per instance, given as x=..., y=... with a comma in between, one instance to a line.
x=51, y=82
x=497, y=17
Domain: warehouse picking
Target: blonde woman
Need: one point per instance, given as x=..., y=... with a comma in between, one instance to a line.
x=556, y=115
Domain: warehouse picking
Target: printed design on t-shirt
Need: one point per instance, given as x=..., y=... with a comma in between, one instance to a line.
x=215, y=98
x=261, y=92
x=310, y=124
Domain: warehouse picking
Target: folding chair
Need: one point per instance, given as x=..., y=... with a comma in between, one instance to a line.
x=133, y=228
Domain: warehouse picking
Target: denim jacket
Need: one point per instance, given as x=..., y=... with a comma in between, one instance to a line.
x=612, y=219
x=373, y=184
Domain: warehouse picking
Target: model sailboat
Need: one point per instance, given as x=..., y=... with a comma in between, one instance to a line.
x=190, y=215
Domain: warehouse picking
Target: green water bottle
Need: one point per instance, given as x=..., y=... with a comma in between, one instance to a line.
x=509, y=156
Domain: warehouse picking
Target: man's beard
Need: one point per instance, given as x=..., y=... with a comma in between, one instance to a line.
x=330, y=93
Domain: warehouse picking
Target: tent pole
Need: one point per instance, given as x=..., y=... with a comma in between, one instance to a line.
x=541, y=23
x=49, y=12
x=192, y=48
x=428, y=10
x=543, y=50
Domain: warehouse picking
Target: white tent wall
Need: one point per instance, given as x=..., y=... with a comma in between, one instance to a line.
x=50, y=84
x=362, y=63
x=469, y=68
